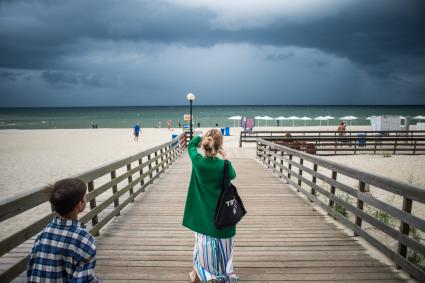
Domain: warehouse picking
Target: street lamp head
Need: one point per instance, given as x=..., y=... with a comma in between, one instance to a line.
x=190, y=96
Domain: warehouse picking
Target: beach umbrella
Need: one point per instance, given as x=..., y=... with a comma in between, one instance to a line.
x=419, y=118
x=370, y=117
x=281, y=118
x=293, y=118
x=329, y=118
x=235, y=118
x=321, y=118
x=267, y=118
x=305, y=119
x=259, y=118
x=349, y=118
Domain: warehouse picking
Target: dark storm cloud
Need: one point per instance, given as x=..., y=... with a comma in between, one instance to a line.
x=74, y=43
x=367, y=32
x=10, y=76
x=76, y=78
x=35, y=34
x=60, y=77
x=279, y=57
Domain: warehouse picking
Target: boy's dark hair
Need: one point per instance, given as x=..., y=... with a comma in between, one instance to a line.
x=66, y=194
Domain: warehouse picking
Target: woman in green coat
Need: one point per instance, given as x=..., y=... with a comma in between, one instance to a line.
x=213, y=252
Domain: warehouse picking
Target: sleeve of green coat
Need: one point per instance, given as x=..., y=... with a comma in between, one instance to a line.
x=192, y=148
x=232, y=173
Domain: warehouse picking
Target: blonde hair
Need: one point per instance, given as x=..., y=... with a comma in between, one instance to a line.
x=212, y=142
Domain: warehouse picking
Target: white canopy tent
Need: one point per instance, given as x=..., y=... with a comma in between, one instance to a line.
x=349, y=118
x=419, y=118
x=293, y=118
x=267, y=118
x=328, y=118
x=259, y=118
x=280, y=118
x=321, y=118
x=235, y=118
x=305, y=119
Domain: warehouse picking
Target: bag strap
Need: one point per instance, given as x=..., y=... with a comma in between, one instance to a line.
x=226, y=180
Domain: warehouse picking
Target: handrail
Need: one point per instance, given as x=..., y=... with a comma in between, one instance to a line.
x=251, y=136
x=332, y=143
x=149, y=165
x=301, y=170
x=331, y=131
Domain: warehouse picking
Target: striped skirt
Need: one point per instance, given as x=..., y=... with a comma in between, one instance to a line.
x=213, y=259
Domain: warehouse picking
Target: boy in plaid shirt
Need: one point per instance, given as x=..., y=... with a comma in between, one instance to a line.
x=64, y=251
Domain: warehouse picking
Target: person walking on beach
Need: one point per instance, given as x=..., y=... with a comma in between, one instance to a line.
x=213, y=251
x=136, y=131
x=64, y=251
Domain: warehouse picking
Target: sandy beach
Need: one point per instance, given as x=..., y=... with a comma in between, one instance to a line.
x=34, y=158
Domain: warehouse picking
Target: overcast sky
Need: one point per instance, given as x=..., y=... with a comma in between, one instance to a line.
x=114, y=53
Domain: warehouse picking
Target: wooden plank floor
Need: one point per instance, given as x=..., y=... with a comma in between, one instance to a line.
x=282, y=238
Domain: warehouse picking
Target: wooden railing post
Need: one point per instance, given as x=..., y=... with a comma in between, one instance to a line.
x=281, y=161
x=300, y=172
x=274, y=159
x=156, y=161
x=169, y=156
x=150, y=167
x=240, y=140
x=313, y=179
x=259, y=147
x=331, y=202
x=336, y=142
x=115, y=190
x=269, y=158
x=130, y=179
x=142, y=180
x=94, y=220
x=289, y=166
x=162, y=157
x=404, y=228
x=362, y=188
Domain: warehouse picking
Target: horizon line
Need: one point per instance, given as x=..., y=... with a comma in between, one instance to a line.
x=221, y=105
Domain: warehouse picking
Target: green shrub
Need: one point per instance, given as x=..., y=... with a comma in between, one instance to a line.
x=340, y=209
x=384, y=217
x=413, y=256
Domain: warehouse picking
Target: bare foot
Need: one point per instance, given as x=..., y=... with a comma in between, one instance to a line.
x=193, y=277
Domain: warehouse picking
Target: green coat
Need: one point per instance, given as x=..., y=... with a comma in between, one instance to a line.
x=204, y=190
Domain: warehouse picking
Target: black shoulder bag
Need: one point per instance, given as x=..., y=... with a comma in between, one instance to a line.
x=230, y=208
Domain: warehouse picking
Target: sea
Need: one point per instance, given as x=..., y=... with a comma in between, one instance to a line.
x=206, y=116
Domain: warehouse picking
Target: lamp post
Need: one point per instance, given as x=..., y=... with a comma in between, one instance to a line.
x=191, y=98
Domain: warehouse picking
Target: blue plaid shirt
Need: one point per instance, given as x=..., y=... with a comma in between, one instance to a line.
x=63, y=252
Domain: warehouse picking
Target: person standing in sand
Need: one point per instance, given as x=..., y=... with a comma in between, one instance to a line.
x=213, y=251
x=341, y=129
x=136, y=131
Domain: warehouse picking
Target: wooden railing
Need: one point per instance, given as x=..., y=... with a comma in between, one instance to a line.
x=352, y=142
x=332, y=185
x=130, y=175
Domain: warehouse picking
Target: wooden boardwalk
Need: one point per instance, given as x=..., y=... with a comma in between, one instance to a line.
x=282, y=238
